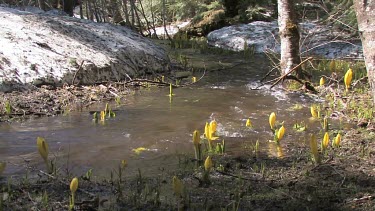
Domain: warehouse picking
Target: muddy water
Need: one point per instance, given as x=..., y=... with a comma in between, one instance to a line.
x=149, y=119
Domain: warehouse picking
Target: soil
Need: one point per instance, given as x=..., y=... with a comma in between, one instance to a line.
x=49, y=101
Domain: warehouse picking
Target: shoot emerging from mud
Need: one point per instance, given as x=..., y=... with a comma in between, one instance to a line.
x=73, y=189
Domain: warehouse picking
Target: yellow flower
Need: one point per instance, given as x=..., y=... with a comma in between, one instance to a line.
x=313, y=111
x=2, y=166
x=102, y=116
x=196, y=138
x=272, y=120
x=178, y=186
x=170, y=90
x=314, y=148
x=322, y=81
x=124, y=164
x=336, y=142
x=196, y=142
x=208, y=164
x=348, y=78
x=213, y=126
x=248, y=123
x=106, y=109
x=139, y=150
x=194, y=79
x=42, y=148
x=207, y=131
x=162, y=78
x=325, y=141
x=280, y=133
x=74, y=185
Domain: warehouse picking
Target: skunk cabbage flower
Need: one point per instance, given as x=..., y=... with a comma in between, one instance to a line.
x=248, y=123
x=348, y=78
x=336, y=142
x=42, y=148
x=207, y=131
x=74, y=185
x=322, y=81
x=213, y=126
x=325, y=141
x=208, y=164
x=139, y=150
x=194, y=79
x=272, y=120
x=280, y=133
x=196, y=142
x=170, y=90
x=102, y=116
x=196, y=138
x=313, y=111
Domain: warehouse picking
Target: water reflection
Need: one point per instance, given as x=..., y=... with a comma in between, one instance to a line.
x=162, y=124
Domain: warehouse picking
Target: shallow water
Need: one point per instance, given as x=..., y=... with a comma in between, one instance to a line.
x=149, y=119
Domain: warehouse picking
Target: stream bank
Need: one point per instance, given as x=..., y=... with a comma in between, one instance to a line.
x=44, y=48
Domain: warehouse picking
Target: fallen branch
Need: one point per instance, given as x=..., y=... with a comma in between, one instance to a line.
x=75, y=74
x=289, y=72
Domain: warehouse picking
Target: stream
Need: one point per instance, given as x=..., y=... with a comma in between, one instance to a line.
x=147, y=118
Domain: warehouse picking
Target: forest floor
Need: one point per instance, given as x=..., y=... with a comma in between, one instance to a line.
x=344, y=180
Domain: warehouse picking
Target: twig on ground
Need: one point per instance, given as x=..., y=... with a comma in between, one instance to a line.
x=75, y=74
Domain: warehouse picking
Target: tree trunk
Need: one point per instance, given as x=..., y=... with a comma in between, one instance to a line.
x=164, y=23
x=148, y=26
x=96, y=12
x=42, y=4
x=69, y=7
x=81, y=10
x=289, y=37
x=138, y=19
x=103, y=10
x=153, y=21
x=89, y=12
x=132, y=13
x=126, y=12
x=115, y=12
x=365, y=11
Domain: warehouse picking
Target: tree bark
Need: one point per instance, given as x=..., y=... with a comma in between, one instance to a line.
x=126, y=12
x=148, y=26
x=365, y=11
x=115, y=12
x=69, y=7
x=289, y=37
x=132, y=13
x=42, y=4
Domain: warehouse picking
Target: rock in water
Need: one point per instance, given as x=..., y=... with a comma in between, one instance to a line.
x=44, y=48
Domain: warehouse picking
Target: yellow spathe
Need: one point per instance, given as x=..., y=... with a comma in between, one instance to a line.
x=272, y=120
x=348, y=78
x=42, y=148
